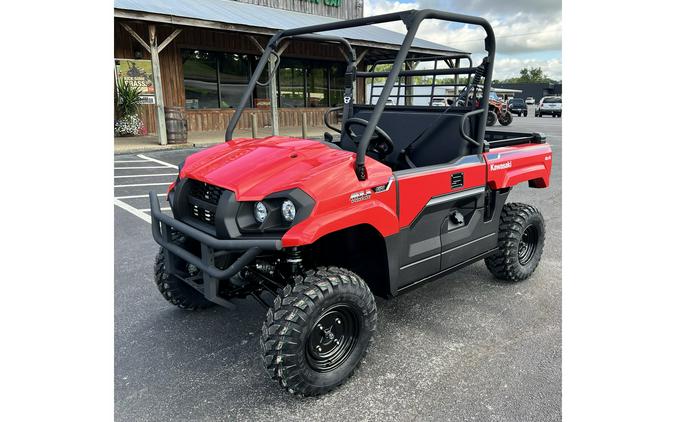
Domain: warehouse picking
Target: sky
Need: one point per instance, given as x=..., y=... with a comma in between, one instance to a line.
x=529, y=32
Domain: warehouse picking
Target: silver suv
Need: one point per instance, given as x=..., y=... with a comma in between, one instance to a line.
x=549, y=105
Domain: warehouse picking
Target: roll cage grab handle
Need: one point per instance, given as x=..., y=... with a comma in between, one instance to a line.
x=412, y=20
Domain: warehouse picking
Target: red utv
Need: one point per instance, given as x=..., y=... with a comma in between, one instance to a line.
x=406, y=195
x=498, y=112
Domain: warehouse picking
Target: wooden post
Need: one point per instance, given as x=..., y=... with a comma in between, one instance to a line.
x=271, y=64
x=456, y=78
x=304, y=125
x=154, y=51
x=254, y=125
x=157, y=80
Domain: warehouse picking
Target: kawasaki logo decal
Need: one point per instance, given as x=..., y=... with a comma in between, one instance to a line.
x=502, y=166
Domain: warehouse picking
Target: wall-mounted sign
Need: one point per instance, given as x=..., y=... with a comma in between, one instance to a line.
x=331, y=3
x=262, y=103
x=136, y=73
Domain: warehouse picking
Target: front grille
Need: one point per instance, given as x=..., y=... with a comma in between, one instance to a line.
x=203, y=200
x=203, y=214
x=206, y=192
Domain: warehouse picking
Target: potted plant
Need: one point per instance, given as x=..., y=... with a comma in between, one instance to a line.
x=128, y=103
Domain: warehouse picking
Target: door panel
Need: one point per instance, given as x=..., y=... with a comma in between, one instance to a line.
x=427, y=196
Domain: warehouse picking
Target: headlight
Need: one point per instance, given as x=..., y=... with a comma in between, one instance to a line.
x=288, y=210
x=259, y=212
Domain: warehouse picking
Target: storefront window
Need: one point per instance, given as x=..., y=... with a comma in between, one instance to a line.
x=337, y=84
x=200, y=79
x=219, y=80
x=291, y=84
x=317, y=87
x=234, y=76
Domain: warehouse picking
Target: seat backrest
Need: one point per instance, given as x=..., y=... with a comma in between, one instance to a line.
x=436, y=136
x=443, y=142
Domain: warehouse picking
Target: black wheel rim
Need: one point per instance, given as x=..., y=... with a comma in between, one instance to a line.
x=333, y=338
x=528, y=244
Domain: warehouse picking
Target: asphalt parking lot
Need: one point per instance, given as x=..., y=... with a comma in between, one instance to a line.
x=464, y=347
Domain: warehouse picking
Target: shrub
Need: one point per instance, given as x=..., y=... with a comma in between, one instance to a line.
x=129, y=125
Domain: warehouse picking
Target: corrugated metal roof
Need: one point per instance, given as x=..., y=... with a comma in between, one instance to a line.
x=233, y=12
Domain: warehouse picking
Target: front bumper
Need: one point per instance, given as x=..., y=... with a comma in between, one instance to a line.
x=210, y=246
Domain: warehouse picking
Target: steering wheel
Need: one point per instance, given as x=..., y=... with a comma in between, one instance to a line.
x=380, y=142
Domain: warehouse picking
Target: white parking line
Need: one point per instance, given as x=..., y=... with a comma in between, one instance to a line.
x=142, y=184
x=145, y=175
x=138, y=168
x=141, y=213
x=143, y=216
x=137, y=196
x=157, y=161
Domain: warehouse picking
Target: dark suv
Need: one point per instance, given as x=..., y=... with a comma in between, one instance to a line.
x=517, y=106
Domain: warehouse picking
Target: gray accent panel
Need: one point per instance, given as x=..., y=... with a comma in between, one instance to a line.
x=420, y=261
x=423, y=246
x=469, y=243
x=467, y=159
x=455, y=196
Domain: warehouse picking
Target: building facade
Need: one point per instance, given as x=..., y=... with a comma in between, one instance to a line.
x=534, y=90
x=206, y=66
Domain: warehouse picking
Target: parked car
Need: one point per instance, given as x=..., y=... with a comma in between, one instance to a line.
x=517, y=106
x=440, y=102
x=529, y=101
x=549, y=105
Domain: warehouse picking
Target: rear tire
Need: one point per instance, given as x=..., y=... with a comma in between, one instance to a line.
x=491, y=118
x=175, y=291
x=506, y=119
x=318, y=331
x=520, y=243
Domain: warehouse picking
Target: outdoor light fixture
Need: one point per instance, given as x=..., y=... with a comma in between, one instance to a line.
x=259, y=212
x=288, y=210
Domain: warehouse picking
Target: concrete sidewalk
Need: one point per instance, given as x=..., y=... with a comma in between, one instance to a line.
x=125, y=145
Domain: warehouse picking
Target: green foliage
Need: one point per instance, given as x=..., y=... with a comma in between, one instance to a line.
x=532, y=75
x=128, y=99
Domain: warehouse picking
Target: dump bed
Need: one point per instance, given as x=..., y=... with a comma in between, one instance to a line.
x=516, y=157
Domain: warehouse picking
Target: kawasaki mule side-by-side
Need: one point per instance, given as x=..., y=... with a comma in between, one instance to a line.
x=407, y=194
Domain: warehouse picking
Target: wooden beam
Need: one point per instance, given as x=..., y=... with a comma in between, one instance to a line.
x=456, y=64
x=202, y=23
x=361, y=56
x=283, y=47
x=274, y=108
x=343, y=53
x=136, y=36
x=168, y=39
x=157, y=79
x=257, y=44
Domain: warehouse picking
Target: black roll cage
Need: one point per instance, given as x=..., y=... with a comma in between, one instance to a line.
x=412, y=20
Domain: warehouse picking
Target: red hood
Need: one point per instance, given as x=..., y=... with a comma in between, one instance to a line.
x=255, y=168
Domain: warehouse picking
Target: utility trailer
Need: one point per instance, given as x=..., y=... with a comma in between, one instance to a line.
x=313, y=229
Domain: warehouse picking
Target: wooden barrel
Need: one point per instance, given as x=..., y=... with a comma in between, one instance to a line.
x=176, y=125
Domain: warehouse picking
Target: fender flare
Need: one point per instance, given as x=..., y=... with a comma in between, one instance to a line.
x=373, y=213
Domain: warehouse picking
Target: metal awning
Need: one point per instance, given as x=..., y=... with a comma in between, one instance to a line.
x=236, y=16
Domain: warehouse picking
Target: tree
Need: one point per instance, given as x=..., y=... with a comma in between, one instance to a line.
x=532, y=74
